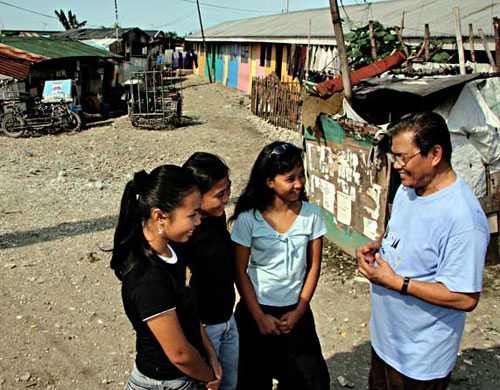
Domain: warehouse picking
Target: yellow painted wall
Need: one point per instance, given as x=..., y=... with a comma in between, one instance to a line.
x=201, y=61
x=253, y=63
x=226, y=64
x=272, y=68
x=284, y=67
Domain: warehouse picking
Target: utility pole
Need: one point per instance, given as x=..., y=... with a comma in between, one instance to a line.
x=287, y=6
x=339, y=38
x=116, y=19
x=203, y=40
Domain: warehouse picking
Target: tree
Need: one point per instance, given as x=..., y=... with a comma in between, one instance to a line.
x=69, y=22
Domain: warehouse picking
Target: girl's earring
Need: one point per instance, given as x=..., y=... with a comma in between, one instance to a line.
x=160, y=230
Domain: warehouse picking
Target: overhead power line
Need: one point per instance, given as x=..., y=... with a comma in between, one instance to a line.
x=231, y=8
x=28, y=10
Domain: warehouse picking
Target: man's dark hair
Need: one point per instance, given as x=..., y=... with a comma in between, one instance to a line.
x=429, y=129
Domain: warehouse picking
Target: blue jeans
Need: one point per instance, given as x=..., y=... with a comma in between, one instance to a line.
x=139, y=381
x=225, y=339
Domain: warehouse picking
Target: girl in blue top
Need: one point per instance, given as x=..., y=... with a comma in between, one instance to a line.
x=278, y=239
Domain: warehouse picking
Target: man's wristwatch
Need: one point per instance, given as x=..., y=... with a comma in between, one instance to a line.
x=404, y=289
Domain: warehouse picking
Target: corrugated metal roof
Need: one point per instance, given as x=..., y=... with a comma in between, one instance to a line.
x=438, y=14
x=104, y=42
x=96, y=33
x=422, y=87
x=14, y=67
x=54, y=47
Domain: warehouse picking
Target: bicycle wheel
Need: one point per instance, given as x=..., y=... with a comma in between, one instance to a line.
x=73, y=122
x=13, y=125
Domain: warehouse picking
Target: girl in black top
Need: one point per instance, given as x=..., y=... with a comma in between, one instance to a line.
x=210, y=254
x=173, y=349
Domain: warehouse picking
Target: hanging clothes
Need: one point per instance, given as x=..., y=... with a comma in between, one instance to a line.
x=302, y=62
x=175, y=60
x=168, y=58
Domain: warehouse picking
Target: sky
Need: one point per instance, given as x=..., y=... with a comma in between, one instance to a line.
x=168, y=15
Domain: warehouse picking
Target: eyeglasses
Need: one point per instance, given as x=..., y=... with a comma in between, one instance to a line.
x=282, y=148
x=401, y=160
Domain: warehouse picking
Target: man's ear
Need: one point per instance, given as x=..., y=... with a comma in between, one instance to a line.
x=436, y=153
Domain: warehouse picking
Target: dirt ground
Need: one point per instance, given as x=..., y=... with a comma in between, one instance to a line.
x=62, y=321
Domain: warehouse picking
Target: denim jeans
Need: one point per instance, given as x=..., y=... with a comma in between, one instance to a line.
x=225, y=339
x=138, y=381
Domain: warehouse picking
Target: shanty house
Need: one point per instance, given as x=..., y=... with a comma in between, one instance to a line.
x=36, y=59
x=239, y=50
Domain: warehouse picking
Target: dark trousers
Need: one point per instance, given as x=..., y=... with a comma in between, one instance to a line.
x=384, y=377
x=294, y=359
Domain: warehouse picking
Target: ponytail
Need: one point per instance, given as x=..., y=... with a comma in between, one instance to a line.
x=164, y=188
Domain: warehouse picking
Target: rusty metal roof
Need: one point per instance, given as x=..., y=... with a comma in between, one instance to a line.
x=17, y=68
x=50, y=48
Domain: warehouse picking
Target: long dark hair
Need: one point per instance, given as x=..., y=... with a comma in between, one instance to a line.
x=207, y=169
x=164, y=188
x=276, y=158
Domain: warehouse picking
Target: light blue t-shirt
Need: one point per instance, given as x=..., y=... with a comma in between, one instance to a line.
x=442, y=238
x=277, y=265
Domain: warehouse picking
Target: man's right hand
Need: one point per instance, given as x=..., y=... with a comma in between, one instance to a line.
x=268, y=325
x=366, y=253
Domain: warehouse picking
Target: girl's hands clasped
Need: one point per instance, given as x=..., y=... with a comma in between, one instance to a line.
x=269, y=325
x=288, y=321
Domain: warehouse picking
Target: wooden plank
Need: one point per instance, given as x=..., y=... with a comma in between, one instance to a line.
x=490, y=203
x=471, y=43
x=426, y=42
x=460, y=42
x=486, y=48
x=372, y=40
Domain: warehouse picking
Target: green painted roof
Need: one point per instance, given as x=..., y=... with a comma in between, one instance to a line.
x=56, y=47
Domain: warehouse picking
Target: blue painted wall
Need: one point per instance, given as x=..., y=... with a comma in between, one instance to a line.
x=232, y=74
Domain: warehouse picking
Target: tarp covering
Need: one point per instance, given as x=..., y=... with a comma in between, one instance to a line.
x=474, y=121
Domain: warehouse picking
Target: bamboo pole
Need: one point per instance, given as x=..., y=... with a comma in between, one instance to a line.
x=400, y=35
x=372, y=40
x=460, y=42
x=486, y=48
x=339, y=38
x=426, y=42
x=471, y=43
x=496, y=27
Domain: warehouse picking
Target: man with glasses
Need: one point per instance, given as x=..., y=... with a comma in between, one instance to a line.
x=426, y=271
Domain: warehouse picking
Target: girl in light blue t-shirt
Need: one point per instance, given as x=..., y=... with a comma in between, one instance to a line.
x=278, y=244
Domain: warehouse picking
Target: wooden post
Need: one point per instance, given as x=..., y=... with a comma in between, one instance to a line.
x=496, y=32
x=372, y=41
x=400, y=35
x=339, y=38
x=471, y=43
x=486, y=48
x=204, y=43
x=426, y=42
x=460, y=43
x=308, y=49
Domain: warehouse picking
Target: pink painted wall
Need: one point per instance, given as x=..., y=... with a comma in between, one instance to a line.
x=244, y=70
x=261, y=70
